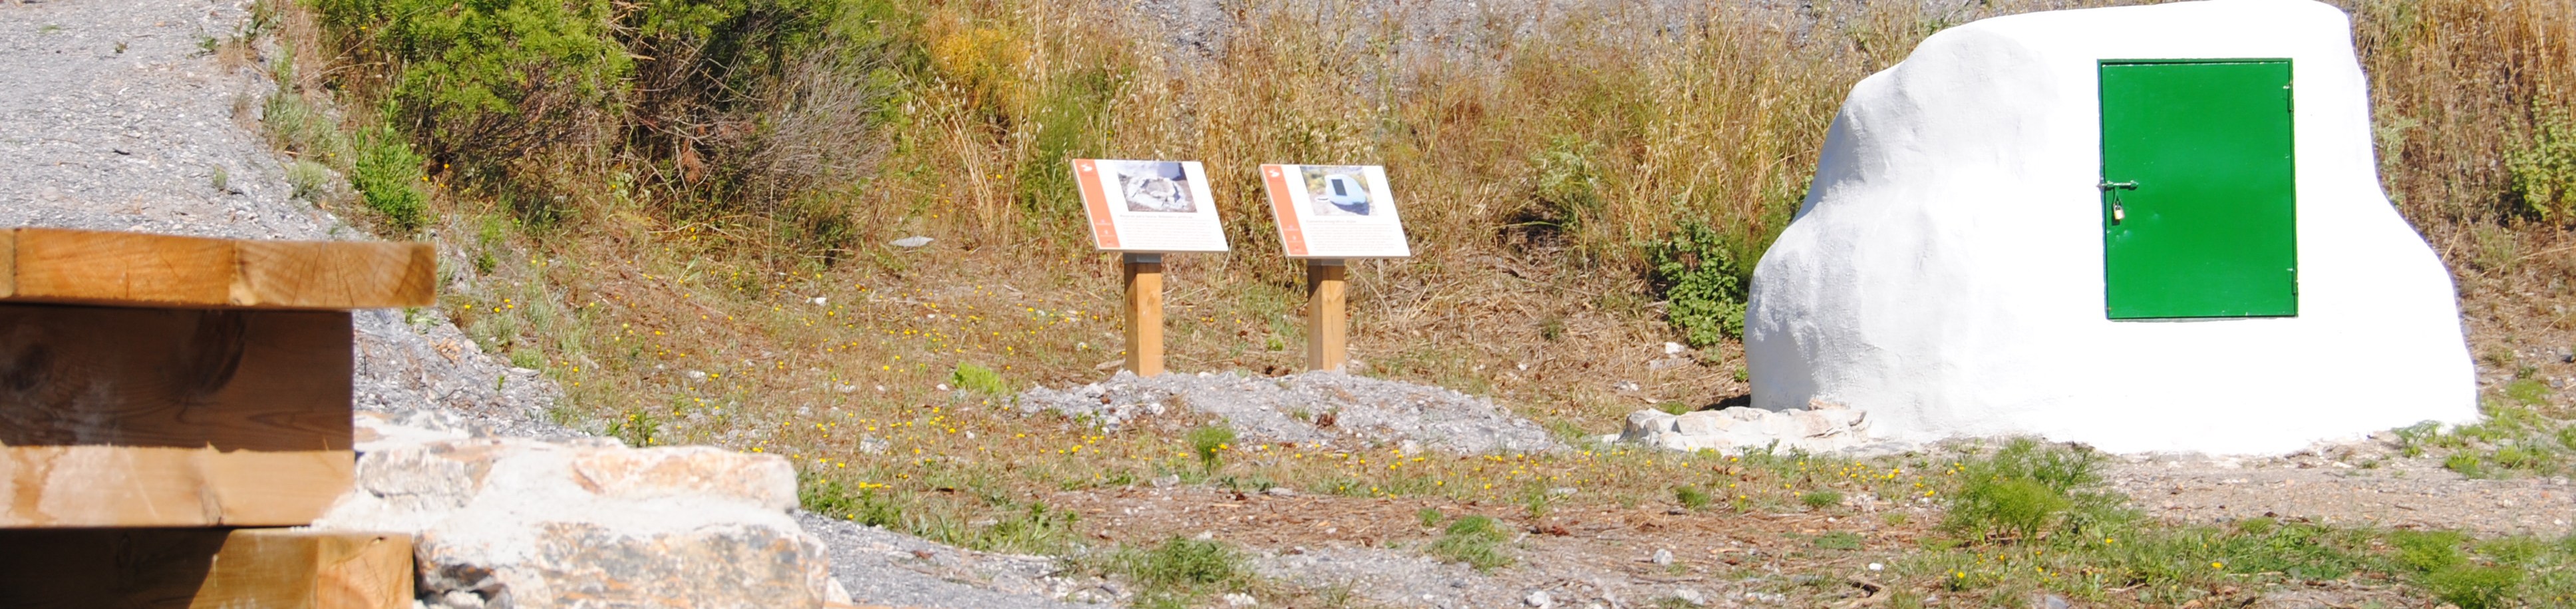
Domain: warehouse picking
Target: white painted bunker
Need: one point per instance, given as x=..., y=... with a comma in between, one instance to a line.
x=2144, y=228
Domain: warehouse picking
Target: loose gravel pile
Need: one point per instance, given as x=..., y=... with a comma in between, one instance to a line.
x=1314, y=407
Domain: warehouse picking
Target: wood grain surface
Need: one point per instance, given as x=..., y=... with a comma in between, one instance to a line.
x=206, y=568
x=135, y=269
x=147, y=486
x=184, y=378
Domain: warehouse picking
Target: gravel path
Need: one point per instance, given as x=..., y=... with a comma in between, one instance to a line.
x=1353, y=412
x=884, y=567
x=2352, y=484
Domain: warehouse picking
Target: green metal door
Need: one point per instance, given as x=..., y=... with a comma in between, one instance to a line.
x=2197, y=191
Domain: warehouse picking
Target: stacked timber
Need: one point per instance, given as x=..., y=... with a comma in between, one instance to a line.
x=160, y=393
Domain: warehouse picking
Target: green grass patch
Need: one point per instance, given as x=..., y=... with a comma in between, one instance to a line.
x=1180, y=572
x=1209, y=445
x=1475, y=540
x=976, y=378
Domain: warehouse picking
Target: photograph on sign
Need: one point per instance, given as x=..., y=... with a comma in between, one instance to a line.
x=1334, y=211
x=1148, y=206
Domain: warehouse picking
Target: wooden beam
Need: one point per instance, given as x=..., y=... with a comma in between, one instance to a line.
x=184, y=378
x=205, y=569
x=1143, y=275
x=132, y=269
x=289, y=569
x=151, y=486
x=172, y=417
x=1326, y=318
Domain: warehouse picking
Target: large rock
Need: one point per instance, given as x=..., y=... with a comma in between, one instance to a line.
x=1947, y=271
x=510, y=522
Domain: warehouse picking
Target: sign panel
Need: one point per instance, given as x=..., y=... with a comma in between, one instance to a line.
x=1334, y=211
x=1148, y=206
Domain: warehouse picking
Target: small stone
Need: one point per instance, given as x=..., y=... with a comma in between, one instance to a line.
x=2055, y=602
x=913, y=241
x=1671, y=348
x=1238, y=599
x=696, y=375
x=1662, y=556
x=1539, y=599
x=1279, y=491
x=1877, y=567
x=1693, y=597
x=874, y=445
x=460, y=599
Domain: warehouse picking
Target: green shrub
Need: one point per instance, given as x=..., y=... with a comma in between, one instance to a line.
x=387, y=176
x=489, y=79
x=639, y=429
x=1474, y=540
x=1565, y=187
x=1691, y=497
x=2466, y=463
x=1209, y=444
x=1821, y=499
x=2021, y=491
x=1033, y=530
x=979, y=379
x=2543, y=172
x=1703, y=287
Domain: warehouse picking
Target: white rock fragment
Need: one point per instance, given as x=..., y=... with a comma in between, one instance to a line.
x=1823, y=427
x=913, y=241
x=510, y=522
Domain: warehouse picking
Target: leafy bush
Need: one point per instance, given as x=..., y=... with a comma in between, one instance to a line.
x=2021, y=491
x=1821, y=499
x=1474, y=540
x=2543, y=173
x=1565, y=186
x=490, y=79
x=1704, y=289
x=388, y=178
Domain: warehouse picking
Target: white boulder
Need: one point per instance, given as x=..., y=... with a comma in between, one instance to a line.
x=1945, y=273
x=511, y=522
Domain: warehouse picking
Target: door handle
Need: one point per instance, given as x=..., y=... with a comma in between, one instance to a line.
x=2118, y=211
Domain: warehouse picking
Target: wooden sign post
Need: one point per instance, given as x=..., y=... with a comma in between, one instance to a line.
x=1327, y=323
x=1144, y=279
x=1142, y=210
x=1328, y=214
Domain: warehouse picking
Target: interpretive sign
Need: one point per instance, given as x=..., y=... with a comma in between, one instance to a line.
x=1334, y=211
x=1148, y=206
